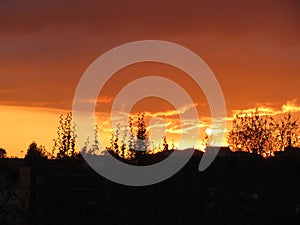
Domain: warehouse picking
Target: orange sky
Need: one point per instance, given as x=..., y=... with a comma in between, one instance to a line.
x=253, y=48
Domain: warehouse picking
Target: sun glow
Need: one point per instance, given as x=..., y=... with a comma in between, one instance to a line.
x=22, y=125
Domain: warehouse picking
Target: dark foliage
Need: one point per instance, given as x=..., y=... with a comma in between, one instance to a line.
x=64, y=144
x=36, y=153
x=2, y=153
x=260, y=133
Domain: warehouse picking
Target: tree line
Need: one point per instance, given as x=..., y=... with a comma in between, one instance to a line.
x=135, y=143
x=253, y=132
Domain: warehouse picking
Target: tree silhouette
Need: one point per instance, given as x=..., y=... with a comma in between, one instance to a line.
x=287, y=132
x=132, y=138
x=259, y=133
x=86, y=148
x=138, y=143
x=36, y=152
x=64, y=144
x=142, y=142
x=2, y=153
x=94, y=148
x=206, y=141
x=123, y=146
x=253, y=132
x=118, y=146
x=165, y=144
x=114, y=143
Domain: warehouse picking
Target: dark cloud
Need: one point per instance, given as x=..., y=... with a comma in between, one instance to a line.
x=45, y=46
x=272, y=19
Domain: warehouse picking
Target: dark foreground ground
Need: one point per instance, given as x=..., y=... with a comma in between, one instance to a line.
x=238, y=188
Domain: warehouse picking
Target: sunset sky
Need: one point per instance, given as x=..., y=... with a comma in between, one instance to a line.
x=252, y=47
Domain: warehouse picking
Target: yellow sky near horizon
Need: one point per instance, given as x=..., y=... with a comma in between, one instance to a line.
x=22, y=125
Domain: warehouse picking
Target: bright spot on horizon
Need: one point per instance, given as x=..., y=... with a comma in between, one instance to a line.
x=208, y=131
